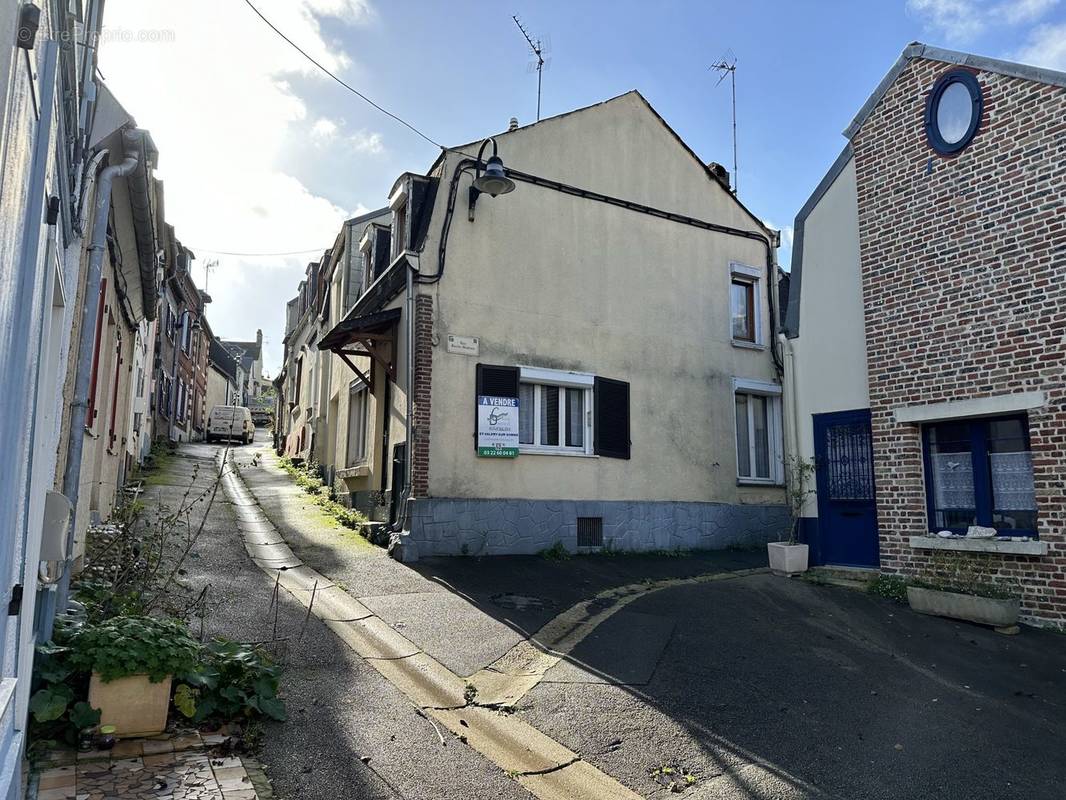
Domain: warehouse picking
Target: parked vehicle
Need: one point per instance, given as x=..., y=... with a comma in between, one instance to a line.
x=230, y=422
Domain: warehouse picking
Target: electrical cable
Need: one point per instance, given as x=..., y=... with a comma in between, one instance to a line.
x=256, y=255
x=350, y=88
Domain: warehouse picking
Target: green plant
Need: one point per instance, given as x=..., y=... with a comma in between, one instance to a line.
x=557, y=552
x=891, y=587
x=799, y=486
x=124, y=646
x=964, y=573
x=231, y=681
x=58, y=711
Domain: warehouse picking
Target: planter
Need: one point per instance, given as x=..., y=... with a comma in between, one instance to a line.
x=983, y=610
x=787, y=559
x=134, y=705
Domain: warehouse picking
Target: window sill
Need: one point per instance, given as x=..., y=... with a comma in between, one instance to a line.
x=767, y=484
x=1031, y=548
x=747, y=345
x=358, y=471
x=533, y=451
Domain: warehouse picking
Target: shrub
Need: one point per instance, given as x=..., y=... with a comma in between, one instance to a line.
x=232, y=680
x=891, y=587
x=557, y=552
x=124, y=646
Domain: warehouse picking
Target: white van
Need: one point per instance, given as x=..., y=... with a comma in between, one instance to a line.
x=230, y=422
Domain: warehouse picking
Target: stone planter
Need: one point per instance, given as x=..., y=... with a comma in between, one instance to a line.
x=134, y=705
x=1001, y=614
x=787, y=559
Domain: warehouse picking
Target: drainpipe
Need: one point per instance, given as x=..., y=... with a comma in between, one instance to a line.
x=79, y=408
x=405, y=499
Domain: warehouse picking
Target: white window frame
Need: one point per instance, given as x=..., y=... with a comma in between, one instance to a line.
x=401, y=213
x=539, y=377
x=774, y=433
x=358, y=389
x=754, y=276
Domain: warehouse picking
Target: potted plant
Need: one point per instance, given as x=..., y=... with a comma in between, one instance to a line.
x=132, y=661
x=790, y=557
x=958, y=585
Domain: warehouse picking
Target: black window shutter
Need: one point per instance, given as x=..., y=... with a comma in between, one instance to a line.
x=382, y=250
x=611, y=403
x=494, y=381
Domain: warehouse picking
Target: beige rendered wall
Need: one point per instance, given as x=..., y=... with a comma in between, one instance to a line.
x=829, y=356
x=548, y=279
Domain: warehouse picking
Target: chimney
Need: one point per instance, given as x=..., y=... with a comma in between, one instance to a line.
x=513, y=126
x=259, y=339
x=720, y=172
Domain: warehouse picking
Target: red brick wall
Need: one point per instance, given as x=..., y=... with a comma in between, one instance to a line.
x=423, y=393
x=964, y=276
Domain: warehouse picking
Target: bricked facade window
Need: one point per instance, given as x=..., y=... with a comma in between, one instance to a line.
x=980, y=472
x=953, y=111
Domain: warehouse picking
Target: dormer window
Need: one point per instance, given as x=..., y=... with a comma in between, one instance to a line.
x=398, y=204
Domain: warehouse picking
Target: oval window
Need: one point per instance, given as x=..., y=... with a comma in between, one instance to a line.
x=953, y=112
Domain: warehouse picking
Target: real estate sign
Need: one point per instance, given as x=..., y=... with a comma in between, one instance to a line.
x=497, y=426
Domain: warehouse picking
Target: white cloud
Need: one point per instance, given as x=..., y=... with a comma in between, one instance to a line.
x=787, y=233
x=1046, y=47
x=364, y=142
x=213, y=95
x=962, y=21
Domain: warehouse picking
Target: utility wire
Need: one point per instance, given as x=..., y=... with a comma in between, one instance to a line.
x=350, y=88
x=259, y=255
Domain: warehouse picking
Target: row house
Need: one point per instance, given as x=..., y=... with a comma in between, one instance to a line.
x=926, y=328
x=81, y=232
x=484, y=365
x=250, y=354
x=226, y=381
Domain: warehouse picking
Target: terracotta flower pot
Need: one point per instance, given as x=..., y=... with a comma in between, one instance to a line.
x=134, y=705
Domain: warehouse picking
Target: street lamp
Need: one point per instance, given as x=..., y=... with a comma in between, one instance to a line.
x=493, y=181
x=174, y=371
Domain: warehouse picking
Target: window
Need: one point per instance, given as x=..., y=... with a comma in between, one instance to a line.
x=553, y=411
x=560, y=412
x=185, y=335
x=742, y=307
x=980, y=472
x=758, y=421
x=953, y=111
x=357, y=423
x=744, y=310
x=169, y=323
x=181, y=401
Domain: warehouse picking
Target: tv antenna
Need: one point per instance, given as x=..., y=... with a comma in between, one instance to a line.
x=208, y=267
x=727, y=66
x=538, y=49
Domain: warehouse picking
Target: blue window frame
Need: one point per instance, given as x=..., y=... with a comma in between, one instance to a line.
x=980, y=472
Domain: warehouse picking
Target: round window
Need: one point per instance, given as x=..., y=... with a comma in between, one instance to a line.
x=953, y=112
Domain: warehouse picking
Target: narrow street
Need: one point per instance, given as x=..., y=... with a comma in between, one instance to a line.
x=681, y=669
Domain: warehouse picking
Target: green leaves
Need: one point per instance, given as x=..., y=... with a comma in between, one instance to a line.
x=125, y=646
x=83, y=716
x=231, y=681
x=50, y=703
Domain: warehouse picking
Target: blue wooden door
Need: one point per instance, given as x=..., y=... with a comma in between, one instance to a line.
x=847, y=509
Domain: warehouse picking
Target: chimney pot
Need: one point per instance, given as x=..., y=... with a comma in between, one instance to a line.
x=514, y=124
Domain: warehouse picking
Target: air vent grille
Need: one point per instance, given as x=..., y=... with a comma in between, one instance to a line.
x=590, y=531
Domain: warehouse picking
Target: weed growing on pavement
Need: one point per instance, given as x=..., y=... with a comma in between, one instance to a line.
x=469, y=693
x=673, y=777
x=891, y=587
x=557, y=552
x=308, y=478
x=230, y=681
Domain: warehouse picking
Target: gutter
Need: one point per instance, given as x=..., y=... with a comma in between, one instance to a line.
x=80, y=406
x=141, y=208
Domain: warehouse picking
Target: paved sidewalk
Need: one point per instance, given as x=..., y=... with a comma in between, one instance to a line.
x=162, y=768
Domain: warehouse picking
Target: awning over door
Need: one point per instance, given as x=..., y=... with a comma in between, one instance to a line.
x=370, y=336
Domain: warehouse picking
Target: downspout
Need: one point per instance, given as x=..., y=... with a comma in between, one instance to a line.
x=405, y=499
x=80, y=406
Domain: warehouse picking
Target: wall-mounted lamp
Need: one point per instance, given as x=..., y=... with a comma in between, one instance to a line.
x=29, y=22
x=493, y=181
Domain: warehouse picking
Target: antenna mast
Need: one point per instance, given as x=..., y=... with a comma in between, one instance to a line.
x=728, y=67
x=208, y=267
x=538, y=51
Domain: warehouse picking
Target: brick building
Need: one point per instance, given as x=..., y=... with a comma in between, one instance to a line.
x=927, y=328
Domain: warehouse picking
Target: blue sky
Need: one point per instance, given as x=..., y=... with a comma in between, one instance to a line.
x=298, y=153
